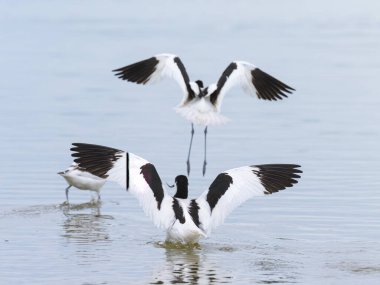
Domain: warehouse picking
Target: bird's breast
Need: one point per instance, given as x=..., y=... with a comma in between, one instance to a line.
x=203, y=105
x=200, y=111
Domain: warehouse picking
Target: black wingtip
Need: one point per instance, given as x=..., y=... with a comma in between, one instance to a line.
x=268, y=87
x=277, y=177
x=139, y=72
x=96, y=159
x=87, y=146
x=118, y=69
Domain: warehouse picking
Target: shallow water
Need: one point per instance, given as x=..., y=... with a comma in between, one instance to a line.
x=56, y=88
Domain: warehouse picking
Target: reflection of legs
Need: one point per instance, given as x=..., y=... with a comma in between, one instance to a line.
x=204, y=162
x=67, y=193
x=188, y=156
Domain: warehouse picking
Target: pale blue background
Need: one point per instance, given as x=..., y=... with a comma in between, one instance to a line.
x=56, y=87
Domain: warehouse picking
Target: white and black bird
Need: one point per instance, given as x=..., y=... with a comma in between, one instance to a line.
x=184, y=220
x=79, y=178
x=202, y=105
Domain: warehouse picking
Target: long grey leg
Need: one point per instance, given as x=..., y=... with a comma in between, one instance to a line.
x=205, y=162
x=188, y=155
x=67, y=193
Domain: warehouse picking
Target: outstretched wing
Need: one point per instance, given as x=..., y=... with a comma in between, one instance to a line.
x=156, y=68
x=252, y=79
x=233, y=187
x=135, y=174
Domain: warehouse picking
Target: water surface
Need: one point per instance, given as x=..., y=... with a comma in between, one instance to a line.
x=56, y=87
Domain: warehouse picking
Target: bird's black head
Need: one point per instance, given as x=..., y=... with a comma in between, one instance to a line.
x=199, y=83
x=202, y=93
x=182, y=187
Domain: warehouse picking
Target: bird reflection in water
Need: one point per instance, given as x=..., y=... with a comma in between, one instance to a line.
x=185, y=264
x=83, y=227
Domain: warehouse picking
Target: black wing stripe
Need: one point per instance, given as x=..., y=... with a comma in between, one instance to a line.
x=185, y=76
x=217, y=189
x=151, y=177
x=96, y=159
x=276, y=177
x=222, y=80
x=178, y=211
x=182, y=68
x=138, y=72
x=268, y=87
x=127, y=172
x=194, y=212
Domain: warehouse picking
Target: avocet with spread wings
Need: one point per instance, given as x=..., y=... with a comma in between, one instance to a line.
x=202, y=105
x=185, y=220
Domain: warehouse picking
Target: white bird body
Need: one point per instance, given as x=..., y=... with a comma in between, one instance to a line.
x=183, y=219
x=201, y=111
x=81, y=179
x=185, y=232
x=201, y=105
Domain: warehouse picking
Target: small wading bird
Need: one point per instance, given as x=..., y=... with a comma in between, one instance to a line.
x=81, y=179
x=202, y=105
x=185, y=220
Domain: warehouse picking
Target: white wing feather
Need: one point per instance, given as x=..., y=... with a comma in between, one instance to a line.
x=252, y=80
x=239, y=77
x=245, y=185
x=139, y=188
x=167, y=68
x=131, y=172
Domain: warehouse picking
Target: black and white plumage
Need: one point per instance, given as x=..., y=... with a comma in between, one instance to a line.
x=202, y=105
x=184, y=220
x=81, y=179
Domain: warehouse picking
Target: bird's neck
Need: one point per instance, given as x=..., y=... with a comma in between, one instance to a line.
x=182, y=192
x=202, y=92
x=196, y=89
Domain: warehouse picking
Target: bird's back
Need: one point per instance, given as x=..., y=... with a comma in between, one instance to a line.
x=184, y=229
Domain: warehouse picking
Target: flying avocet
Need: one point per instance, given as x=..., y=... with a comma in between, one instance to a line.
x=184, y=220
x=79, y=178
x=202, y=105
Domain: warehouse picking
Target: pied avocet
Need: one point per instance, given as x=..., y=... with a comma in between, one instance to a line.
x=185, y=220
x=202, y=105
